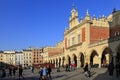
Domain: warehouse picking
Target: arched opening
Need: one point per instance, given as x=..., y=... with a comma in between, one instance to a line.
x=59, y=62
x=53, y=61
x=94, y=59
x=63, y=59
x=75, y=59
x=106, y=57
x=82, y=60
x=118, y=54
x=69, y=60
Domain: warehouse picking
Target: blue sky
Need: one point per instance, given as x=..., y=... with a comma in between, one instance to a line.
x=40, y=23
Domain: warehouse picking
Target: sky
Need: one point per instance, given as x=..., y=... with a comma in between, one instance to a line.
x=40, y=23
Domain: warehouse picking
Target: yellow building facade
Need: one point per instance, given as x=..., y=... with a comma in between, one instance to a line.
x=95, y=41
x=27, y=54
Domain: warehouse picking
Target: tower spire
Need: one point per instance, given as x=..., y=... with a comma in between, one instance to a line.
x=73, y=6
x=87, y=13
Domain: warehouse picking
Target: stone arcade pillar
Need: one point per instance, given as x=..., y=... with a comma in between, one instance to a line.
x=72, y=60
x=99, y=59
x=61, y=63
x=78, y=63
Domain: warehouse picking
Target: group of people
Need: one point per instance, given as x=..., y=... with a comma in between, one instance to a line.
x=12, y=71
x=70, y=67
x=111, y=68
x=45, y=72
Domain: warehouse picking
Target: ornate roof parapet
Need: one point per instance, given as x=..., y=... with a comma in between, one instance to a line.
x=94, y=17
x=81, y=19
x=100, y=22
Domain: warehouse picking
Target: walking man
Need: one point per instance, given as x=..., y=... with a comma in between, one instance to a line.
x=14, y=71
x=118, y=69
x=49, y=71
x=20, y=72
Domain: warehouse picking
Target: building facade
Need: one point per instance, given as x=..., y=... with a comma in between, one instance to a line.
x=95, y=41
x=19, y=59
x=9, y=57
x=36, y=55
x=27, y=53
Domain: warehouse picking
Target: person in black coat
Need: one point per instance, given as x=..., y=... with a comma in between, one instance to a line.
x=3, y=73
x=49, y=71
x=86, y=70
x=111, y=68
x=86, y=67
x=14, y=71
x=118, y=69
x=20, y=72
x=41, y=73
x=10, y=70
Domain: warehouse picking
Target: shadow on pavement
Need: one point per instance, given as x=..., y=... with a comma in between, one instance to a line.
x=105, y=76
x=58, y=76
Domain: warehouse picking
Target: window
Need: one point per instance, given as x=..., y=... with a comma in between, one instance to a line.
x=73, y=40
x=68, y=43
x=78, y=38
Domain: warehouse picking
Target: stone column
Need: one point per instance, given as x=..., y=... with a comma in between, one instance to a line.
x=61, y=63
x=72, y=60
x=55, y=64
x=78, y=63
x=99, y=59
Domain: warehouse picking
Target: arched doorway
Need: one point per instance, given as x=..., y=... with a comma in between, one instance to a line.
x=118, y=54
x=75, y=59
x=53, y=61
x=63, y=61
x=94, y=59
x=69, y=60
x=59, y=62
x=106, y=57
x=82, y=59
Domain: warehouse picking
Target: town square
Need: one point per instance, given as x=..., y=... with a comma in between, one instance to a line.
x=60, y=40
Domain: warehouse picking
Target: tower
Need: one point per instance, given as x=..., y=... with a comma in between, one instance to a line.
x=73, y=20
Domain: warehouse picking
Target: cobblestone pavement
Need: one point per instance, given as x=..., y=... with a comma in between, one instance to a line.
x=97, y=74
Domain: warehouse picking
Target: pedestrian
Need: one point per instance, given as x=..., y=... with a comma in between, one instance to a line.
x=111, y=69
x=66, y=67
x=41, y=72
x=20, y=72
x=10, y=70
x=32, y=69
x=86, y=70
x=49, y=70
x=44, y=73
x=58, y=69
x=3, y=73
x=118, y=69
x=14, y=71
